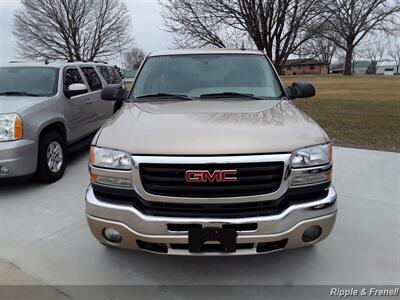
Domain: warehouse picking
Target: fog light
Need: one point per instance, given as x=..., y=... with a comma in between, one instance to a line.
x=4, y=170
x=311, y=234
x=112, y=235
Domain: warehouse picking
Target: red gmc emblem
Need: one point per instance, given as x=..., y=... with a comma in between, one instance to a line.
x=207, y=176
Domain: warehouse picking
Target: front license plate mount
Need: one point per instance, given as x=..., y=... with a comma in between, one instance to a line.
x=198, y=238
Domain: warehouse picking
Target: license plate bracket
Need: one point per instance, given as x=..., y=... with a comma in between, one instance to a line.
x=198, y=237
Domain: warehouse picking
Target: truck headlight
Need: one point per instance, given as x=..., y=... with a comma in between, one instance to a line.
x=110, y=159
x=312, y=156
x=10, y=127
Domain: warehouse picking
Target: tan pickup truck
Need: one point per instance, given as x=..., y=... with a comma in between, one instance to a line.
x=209, y=156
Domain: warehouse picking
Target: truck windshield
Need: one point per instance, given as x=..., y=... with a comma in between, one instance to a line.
x=28, y=81
x=207, y=76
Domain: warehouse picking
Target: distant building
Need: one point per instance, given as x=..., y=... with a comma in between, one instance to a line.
x=387, y=68
x=337, y=68
x=305, y=66
x=359, y=67
x=129, y=75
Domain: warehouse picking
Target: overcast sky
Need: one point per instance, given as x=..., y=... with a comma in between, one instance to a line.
x=146, y=20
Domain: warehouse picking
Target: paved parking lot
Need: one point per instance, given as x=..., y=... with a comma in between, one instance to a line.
x=45, y=239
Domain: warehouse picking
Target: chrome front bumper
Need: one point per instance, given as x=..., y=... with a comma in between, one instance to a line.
x=135, y=226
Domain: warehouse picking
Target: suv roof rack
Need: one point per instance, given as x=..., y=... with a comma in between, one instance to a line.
x=86, y=61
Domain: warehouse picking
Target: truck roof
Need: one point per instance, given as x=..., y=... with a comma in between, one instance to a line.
x=204, y=51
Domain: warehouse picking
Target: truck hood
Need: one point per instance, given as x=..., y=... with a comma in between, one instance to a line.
x=210, y=127
x=11, y=104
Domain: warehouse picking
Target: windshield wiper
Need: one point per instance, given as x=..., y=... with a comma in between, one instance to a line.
x=230, y=95
x=165, y=95
x=19, y=94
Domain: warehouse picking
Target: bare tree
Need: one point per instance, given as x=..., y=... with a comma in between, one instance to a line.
x=195, y=24
x=375, y=51
x=277, y=27
x=72, y=29
x=353, y=20
x=320, y=47
x=394, y=53
x=134, y=58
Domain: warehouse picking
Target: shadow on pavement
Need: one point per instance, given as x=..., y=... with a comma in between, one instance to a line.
x=249, y=270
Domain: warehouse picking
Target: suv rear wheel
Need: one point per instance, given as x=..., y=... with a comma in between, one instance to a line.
x=52, y=157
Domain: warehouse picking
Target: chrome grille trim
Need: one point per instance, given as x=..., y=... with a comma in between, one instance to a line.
x=136, y=178
x=251, y=179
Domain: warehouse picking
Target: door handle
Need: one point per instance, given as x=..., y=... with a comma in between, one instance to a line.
x=89, y=101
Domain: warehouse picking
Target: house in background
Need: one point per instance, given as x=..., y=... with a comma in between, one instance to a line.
x=305, y=66
x=387, y=68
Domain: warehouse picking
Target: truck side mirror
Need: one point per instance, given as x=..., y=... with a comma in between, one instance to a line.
x=76, y=89
x=114, y=92
x=300, y=89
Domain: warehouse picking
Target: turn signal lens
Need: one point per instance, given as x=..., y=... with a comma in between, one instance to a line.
x=114, y=181
x=93, y=177
x=311, y=178
x=18, y=128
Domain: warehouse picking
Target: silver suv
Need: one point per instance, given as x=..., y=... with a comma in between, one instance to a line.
x=209, y=155
x=46, y=107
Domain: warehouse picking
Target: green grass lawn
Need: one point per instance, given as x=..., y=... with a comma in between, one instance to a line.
x=358, y=111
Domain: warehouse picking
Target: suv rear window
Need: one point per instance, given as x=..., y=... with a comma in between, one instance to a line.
x=92, y=78
x=110, y=75
x=106, y=75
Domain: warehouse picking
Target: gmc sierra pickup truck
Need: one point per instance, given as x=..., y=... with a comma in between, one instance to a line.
x=209, y=156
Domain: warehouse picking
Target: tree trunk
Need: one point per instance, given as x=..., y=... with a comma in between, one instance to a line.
x=348, y=66
x=279, y=69
x=278, y=65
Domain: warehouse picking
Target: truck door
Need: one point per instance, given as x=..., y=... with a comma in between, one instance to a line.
x=97, y=107
x=75, y=108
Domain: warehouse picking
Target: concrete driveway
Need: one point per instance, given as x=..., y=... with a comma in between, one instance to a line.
x=44, y=238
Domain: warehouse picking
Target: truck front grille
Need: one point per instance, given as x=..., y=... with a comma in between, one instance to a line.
x=252, y=179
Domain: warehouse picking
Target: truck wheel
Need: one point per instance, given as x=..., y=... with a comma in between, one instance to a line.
x=52, y=157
